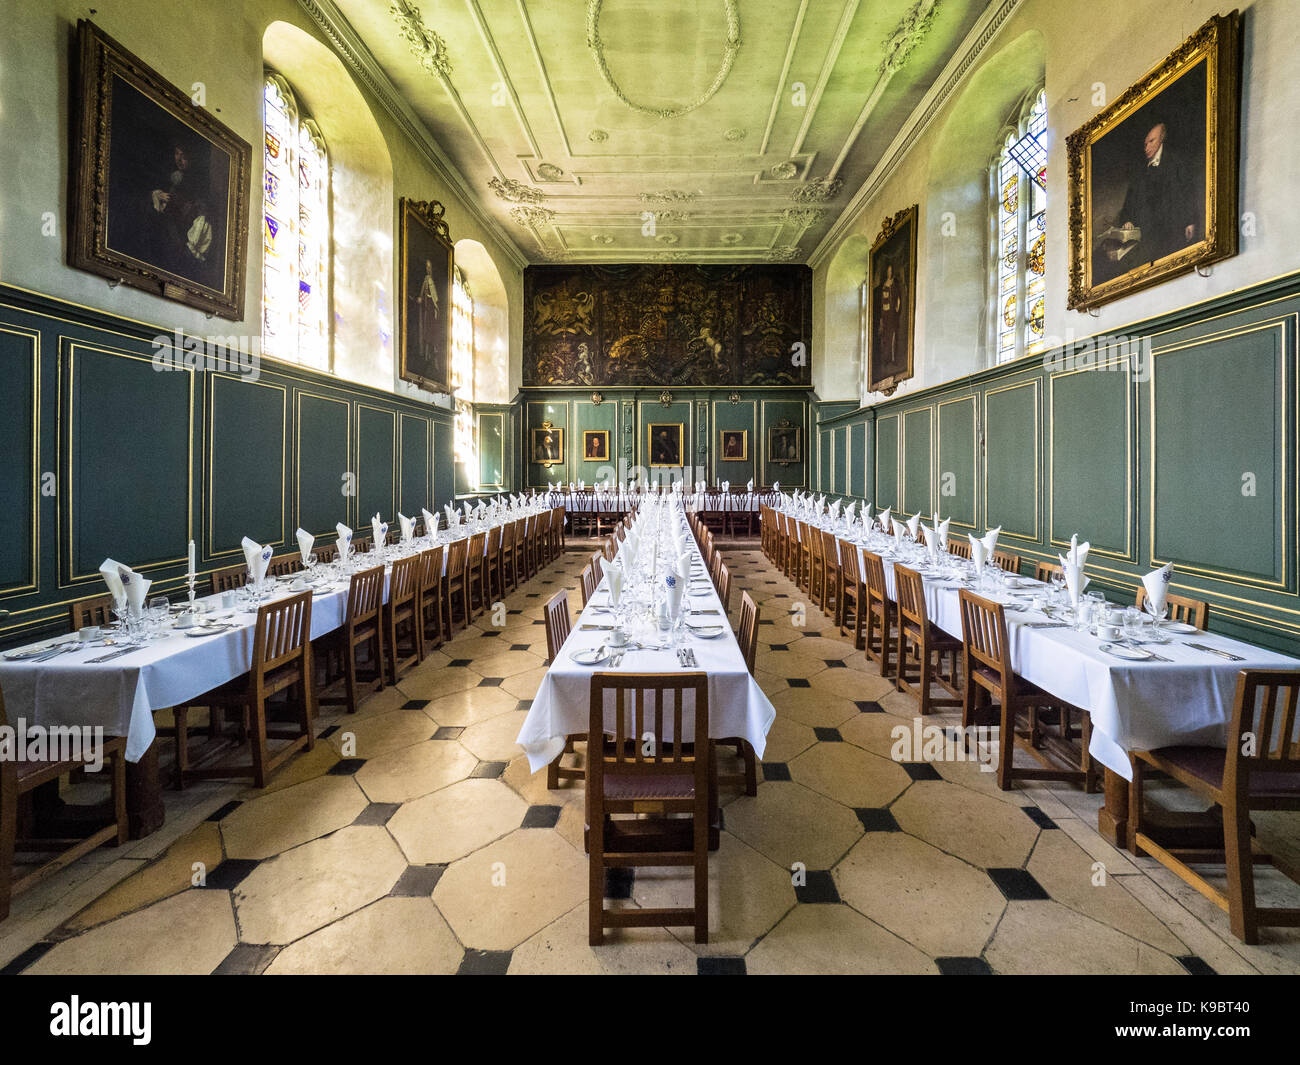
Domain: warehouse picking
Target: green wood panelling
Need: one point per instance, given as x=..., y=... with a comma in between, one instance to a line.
x=444, y=468
x=376, y=465
x=858, y=460
x=839, y=460
x=918, y=434
x=956, y=460
x=413, y=465
x=1011, y=459
x=491, y=450
x=325, y=472
x=19, y=478
x=247, y=424
x=739, y=417
x=886, y=463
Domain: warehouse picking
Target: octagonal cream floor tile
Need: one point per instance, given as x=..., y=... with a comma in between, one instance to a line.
x=835, y=940
x=790, y=663
x=305, y=765
x=394, y=936
x=1066, y=872
x=462, y=709
x=403, y=775
x=874, y=733
x=311, y=886
x=273, y=823
x=852, y=684
x=826, y=646
x=940, y=905
x=493, y=740
x=977, y=829
x=451, y=823
x=1046, y=937
x=433, y=683
x=476, y=646
x=806, y=706
x=507, y=663
x=532, y=786
x=748, y=895
x=787, y=738
x=790, y=823
x=506, y=892
x=850, y=775
x=147, y=942
x=561, y=947
x=371, y=737
x=524, y=685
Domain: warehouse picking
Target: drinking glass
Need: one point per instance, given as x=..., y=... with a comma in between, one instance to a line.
x=1133, y=624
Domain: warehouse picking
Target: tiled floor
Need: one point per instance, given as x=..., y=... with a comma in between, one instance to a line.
x=414, y=839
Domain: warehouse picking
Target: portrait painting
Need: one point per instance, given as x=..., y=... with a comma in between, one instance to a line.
x=784, y=443
x=160, y=188
x=665, y=443
x=425, y=278
x=1153, y=177
x=547, y=445
x=891, y=310
x=733, y=445
x=595, y=445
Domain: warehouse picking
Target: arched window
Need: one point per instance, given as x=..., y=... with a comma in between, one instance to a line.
x=462, y=371
x=295, y=232
x=1018, y=183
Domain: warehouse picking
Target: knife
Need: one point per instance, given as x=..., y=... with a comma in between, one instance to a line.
x=110, y=657
x=1217, y=651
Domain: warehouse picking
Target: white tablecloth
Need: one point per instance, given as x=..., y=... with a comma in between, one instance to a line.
x=1135, y=706
x=737, y=706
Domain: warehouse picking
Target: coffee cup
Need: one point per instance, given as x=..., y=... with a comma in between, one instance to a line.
x=88, y=633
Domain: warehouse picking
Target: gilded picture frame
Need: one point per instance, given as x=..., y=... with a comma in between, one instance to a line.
x=159, y=188
x=665, y=444
x=595, y=445
x=891, y=312
x=784, y=443
x=733, y=445
x=1153, y=176
x=546, y=445
x=425, y=278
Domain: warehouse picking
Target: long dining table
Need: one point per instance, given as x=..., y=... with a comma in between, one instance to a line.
x=737, y=705
x=1182, y=695
x=122, y=693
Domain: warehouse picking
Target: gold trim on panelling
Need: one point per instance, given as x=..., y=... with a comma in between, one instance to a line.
x=1038, y=457
x=1285, y=358
x=1130, y=402
x=401, y=454
x=753, y=451
x=35, y=337
x=527, y=443
x=902, y=479
x=350, y=503
x=67, y=518
x=500, y=416
x=805, y=467
x=689, y=429
x=209, y=400
x=898, y=460
x=974, y=454
x=393, y=437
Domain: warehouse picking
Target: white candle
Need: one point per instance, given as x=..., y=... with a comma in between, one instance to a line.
x=191, y=573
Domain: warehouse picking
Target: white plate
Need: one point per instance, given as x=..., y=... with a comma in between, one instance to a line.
x=590, y=656
x=707, y=632
x=1135, y=654
x=1180, y=627
x=206, y=630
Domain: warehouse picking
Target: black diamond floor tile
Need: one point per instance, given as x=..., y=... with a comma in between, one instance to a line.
x=377, y=813
x=491, y=682
x=485, y=963
x=720, y=966
x=869, y=706
x=776, y=771
x=489, y=770
x=819, y=887
x=346, y=767
x=876, y=819
x=247, y=959
x=963, y=966
x=541, y=817
x=448, y=732
x=921, y=771
x=1018, y=885
x=798, y=682
x=415, y=704
x=524, y=704
x=1195, y=965
x=1038, y=817
x=460, y=663
x=226, y=810
x=828, y=735
x=28, y=957
x=229, y=873
x=418, y=881
x=520, y=646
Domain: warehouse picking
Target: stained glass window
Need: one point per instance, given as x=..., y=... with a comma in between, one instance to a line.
x=462, y=372
x=1019, y=196
x=295, y=231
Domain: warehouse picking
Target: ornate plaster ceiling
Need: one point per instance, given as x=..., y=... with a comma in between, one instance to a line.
x=663, y=130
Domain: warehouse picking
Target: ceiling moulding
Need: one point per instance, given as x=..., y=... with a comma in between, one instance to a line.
x=513, y=191
x=963, y=60
x=349, y=47
x=730, y=8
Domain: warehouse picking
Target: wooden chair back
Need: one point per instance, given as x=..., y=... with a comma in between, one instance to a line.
x=1265, y=709
x=282, y=635
x=365, y=596
x=1044, y=571
x=326, y=552
x=958, y=547
x=849, y=566
x=1181, y=608
x=649, y=727
x=283, y=565
x=909, y=593
x=984, y=636
x=98, y=610
x=747, y=637
x=404, y=584
x=557, y=623
x=1007, y=562
x=874, y=576
x=229, y=578
x=457, y=552
x=723, y=585
x=588, y=586
x=475, y=552
x=431, y=573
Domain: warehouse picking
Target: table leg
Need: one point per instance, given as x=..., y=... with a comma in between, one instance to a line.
x=144, y=802
x=1112, y=818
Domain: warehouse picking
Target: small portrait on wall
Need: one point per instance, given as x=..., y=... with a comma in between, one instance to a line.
x=1153, y=177
x=891, y=274
x=784, y=443
x=595, y=445
x=425, y=297
x=733, y=445
x=665, y=443
x=547, y=445
x=160, y=189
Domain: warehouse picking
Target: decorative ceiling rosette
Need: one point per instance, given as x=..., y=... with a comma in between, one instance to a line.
x=909, y=33
x=731, y=9
x=803, y=216
x=513, y=191
x=818, y=191
x=429, y=49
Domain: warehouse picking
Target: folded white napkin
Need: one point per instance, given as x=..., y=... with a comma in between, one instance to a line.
x=258, y=558
x=979, y=554
x=913, y=525
x=942, y=529
x=614, y=578
x=776, y=486
x=451, y=514
x=137, y=588
x=408, y=527
x=726, y=486
x=1072, y=563
x=345, y=539
x=684, y=565
x=899, y=528
x=991, y=540
x=112, y=573
x=379, y=530
x=305, y=542
x=866, y=516
x=1157, y=586
x=886, y=524
x=749, y=486
x=430, y=522
x=931, y=542
x=674, y=584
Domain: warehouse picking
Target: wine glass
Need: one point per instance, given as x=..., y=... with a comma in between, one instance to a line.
x=159, y=608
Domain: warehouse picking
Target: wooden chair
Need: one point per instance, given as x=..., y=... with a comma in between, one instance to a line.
x=284, y=565
x=520, y=560
x=1258, y=770
x=476, y=579
x=831, y=575
x=402, y=611
x=326, y=552
x=959, y=547
x=674, y=779
x=880, y=615
x=362, y=627
x=853, y=594
x=1180, y=607
x=229, y=578
x=431, y=631
x=1007, y=562
x=924, y=645
x=557, y=631
x=1044, y=571
x=455, y=587
x=538, y=528
x=588, y=583
x=19, y=778
x=747, y=637
x=723, y=585
x=509, y=566
x=986, y=665
x=97, y=610
x=496, y=579
x=282, y=662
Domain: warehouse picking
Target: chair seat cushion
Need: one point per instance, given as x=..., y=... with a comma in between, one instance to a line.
x=649, y=787
x=1207, y=764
